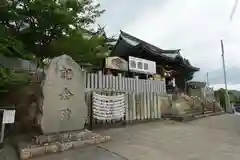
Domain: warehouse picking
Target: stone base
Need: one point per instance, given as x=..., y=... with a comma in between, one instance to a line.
x=191, y=117
x=45, y=144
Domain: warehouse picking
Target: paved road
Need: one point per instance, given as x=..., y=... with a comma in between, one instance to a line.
x=212, y=138
x=87, y=153
x=205, y=139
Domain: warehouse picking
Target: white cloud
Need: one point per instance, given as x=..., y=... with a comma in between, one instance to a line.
x=195, y=26
x=230, y=86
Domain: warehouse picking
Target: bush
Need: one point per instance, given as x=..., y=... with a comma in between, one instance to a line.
x=10, y=79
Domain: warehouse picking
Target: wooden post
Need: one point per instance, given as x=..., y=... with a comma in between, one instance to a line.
x=90, y=108
x=185, y=85
x=203, y=106
x=2, y=133
x=214, y=107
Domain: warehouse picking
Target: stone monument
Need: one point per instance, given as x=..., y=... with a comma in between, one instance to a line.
x=62, y=111
x=63, y=107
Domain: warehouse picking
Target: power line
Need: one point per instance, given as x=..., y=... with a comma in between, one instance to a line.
x=234, y=10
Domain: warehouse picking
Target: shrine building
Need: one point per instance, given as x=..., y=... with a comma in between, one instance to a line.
x=169, y=64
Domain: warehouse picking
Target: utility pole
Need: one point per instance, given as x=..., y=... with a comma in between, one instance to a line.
x=227, y=102
x=207, y=80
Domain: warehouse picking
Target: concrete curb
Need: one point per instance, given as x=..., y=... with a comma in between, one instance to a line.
x=186, y=119
x=192, y=117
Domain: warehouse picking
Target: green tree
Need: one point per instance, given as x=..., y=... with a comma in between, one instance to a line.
x=220, y=94
x=41, y=24
x=10, y=79
x=38, y=29
x=83, y=51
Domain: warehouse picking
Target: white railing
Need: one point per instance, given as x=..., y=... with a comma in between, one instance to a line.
x=120, y=83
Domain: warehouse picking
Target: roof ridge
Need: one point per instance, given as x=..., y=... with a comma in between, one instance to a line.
x=149, y=44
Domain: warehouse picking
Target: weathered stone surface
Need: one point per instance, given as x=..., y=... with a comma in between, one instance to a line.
x=31, y=149
x=185, y=105
x=65, y=146
x=27, y=151
x=64, y=107
x=78, y=144
x=165, y=105
x=60, y=137
x=25, y=99
x=52, y=148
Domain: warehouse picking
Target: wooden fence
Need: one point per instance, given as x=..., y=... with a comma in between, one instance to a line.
x=122, y=84
x=143, y=98
x=141, y=106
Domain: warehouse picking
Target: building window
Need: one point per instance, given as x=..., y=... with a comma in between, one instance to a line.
x=145, y=65
x=140, y=65
x=133, y=64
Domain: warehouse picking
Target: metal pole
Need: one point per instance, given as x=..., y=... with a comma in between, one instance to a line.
x=207, y=80
x=227, y=103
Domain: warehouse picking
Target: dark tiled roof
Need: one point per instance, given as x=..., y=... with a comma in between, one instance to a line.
x=196, y=83
x=172, y=55
x=148, y=45
x=99, y=32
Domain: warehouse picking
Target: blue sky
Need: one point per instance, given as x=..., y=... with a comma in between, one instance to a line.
x=194, y=26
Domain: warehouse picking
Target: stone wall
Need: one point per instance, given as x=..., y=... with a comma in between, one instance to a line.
x=166, y=105
x=27, y=100
x=44, y=104
x=195, y=92
x=18, y=64
x=205, y=92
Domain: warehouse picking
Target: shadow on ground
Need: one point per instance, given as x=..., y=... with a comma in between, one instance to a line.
x=91, y=153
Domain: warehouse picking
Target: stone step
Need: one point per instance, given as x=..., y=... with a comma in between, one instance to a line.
x=190, y=110
x=208, y=111
x=190, y=117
